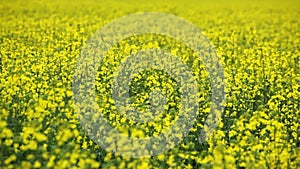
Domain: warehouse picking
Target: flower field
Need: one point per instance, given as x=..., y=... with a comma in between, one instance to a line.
x=257, y=42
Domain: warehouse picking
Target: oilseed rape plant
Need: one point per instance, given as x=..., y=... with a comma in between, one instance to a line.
x=45, y=123
x=150, y=58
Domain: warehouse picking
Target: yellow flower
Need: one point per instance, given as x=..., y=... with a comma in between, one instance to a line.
x=37, y=164
x=10, y=159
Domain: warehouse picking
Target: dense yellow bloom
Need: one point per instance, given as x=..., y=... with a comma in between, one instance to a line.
x=257, y=42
